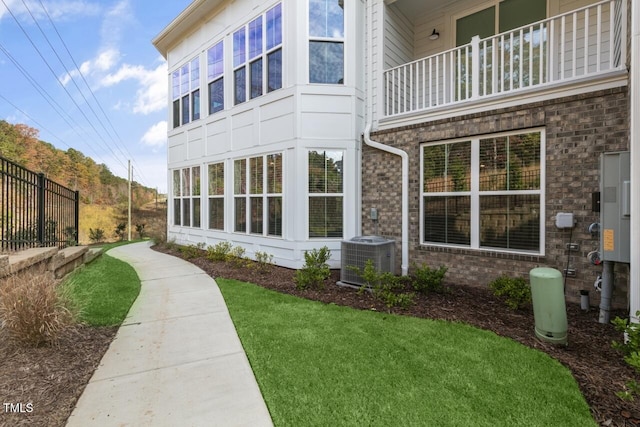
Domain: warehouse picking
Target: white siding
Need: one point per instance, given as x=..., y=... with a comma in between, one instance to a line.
x=292, y=120
x=217, y=141
x=196, y=143
x=277, y=121
x=398, y=38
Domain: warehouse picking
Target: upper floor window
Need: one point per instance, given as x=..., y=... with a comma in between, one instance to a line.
x=186, y=93
x=326, y=41
x=485, y=193
x=215, y=77
x=257, y=56
x=239, y=66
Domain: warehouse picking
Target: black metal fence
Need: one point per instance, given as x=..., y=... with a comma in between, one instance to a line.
x=35, y=211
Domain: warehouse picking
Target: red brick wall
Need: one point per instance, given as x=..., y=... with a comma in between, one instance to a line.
x=578, y=129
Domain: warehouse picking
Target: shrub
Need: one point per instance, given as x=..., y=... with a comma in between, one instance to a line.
x=315, y=270
x=630, y=348
x=263, y=261
x=387, y=287
x=514, y=290
x=71, y=236
x=236, y=257
x=32, y=308
x=97, y=235
x=219, y=251
x=140, y=230
x=192, y=251
x=120, y=231
x=428, y=280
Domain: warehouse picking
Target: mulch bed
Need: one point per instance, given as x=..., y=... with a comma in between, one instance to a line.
x=51, y=379
x=598, y=369
x=47, y=381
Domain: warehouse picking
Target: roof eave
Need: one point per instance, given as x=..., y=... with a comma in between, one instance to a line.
x=197, y=11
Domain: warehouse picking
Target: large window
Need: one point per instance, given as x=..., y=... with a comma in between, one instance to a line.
x=485, y=192
x=216, y=196
x=326, y=41
x=508, y=14
x=325, y=193
x=186, y=93
x=186, y=197
x=215, y=77
x=257, y=56
x=258, y=195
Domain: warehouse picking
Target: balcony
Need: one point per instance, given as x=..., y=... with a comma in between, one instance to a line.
x=584, y=45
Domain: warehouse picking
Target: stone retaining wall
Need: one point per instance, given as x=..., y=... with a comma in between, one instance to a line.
x=58, y=261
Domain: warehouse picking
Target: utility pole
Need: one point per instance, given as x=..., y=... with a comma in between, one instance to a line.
x=130, y=173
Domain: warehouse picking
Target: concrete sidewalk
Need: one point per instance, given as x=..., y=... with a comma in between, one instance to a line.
x=176, y=360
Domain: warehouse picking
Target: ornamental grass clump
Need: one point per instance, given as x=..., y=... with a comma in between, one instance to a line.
x=33, y=309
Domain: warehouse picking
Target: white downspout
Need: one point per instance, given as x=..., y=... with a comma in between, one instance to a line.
x=404, y=268
x=634, y=147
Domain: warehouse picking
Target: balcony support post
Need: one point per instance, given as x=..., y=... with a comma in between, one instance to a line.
x=475, y=67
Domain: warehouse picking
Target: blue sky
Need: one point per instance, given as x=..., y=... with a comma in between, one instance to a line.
x=123, y=114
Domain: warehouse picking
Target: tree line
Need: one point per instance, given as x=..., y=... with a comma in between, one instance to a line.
x=20, y=144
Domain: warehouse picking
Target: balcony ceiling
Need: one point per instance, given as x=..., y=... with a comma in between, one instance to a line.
x=414, y=8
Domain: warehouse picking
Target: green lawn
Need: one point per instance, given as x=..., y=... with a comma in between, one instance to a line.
x=323, y=365
x=104, y=290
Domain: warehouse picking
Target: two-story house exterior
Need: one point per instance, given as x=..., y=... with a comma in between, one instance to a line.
x=467, y=125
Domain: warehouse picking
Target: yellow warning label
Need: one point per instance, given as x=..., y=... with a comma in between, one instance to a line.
x=608, y=240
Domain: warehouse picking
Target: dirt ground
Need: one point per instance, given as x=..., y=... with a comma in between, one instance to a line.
x=51, y=379
x=43, y=384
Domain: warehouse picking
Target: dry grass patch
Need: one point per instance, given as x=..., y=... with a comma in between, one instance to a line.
x=33, y=309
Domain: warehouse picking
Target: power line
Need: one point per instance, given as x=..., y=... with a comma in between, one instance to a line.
x=81, y=74
x=47, y=97
x=60, y=83
x=41, y=126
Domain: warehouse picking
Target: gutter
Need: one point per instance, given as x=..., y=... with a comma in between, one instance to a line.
x=392, y=150
x=405, y=191
x=634, y=147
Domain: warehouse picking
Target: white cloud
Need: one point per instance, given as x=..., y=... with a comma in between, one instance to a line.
x=66, y=9
x=156, y=135
x=105, y=69
x=116, y=20
x=151, y=95
x=102, y=63
x=59, y=11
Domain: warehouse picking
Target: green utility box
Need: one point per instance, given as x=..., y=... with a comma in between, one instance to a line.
x=549, y=310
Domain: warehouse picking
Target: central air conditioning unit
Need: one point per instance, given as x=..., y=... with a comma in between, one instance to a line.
x=356, y=252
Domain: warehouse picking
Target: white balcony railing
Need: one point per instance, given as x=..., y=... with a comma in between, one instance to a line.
x=584, y=43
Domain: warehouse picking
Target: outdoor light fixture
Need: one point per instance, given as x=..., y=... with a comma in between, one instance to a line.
x=434, y=35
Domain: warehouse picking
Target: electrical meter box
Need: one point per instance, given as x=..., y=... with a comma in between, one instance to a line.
x=615, y=206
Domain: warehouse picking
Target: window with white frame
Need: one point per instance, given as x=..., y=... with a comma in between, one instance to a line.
x=257, y=56
x=484, y=192
x=186, y=197
x=258, y=195
x=215, y=77
x=186, y=93
x=216, y=195
x=326, y=41
x=325, y=193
